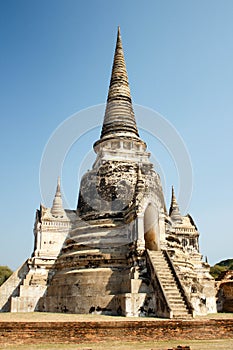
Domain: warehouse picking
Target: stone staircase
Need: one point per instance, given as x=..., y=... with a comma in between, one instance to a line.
x=10, y=288
x=170, y=284
x=32, y=288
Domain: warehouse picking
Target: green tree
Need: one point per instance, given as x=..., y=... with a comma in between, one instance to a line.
x=224, y=265
x=5, y=272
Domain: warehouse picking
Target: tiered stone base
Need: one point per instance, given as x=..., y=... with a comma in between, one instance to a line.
x=95, y=281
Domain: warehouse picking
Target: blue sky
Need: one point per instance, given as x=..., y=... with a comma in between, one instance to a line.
x=56, y=59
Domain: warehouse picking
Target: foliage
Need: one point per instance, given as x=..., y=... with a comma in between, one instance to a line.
x=5, y=272
x=220, y=267
x=227, y=263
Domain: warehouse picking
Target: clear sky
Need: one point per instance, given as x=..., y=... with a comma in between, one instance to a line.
x=56, y=58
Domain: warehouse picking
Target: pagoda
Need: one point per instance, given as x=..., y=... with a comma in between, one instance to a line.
x=120, y=252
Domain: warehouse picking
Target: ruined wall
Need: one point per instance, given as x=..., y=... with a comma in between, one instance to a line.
x=97, y=331
x=225, y=296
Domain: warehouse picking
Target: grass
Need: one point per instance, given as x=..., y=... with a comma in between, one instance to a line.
x=226, y=344
x=61, y=317
x=56, y=317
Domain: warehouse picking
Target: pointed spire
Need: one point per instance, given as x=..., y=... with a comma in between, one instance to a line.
x=57, y=208
x=119, y=119
x=174, y=211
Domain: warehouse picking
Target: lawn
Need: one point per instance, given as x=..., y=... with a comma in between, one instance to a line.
x=57, y=317
x=116, y=345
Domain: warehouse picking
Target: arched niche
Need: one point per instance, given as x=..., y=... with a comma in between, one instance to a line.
x=151, y=228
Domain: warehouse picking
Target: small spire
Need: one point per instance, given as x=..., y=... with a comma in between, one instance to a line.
x=59, y=185
x=119, y=115
x=174, y=211
x=57, y=208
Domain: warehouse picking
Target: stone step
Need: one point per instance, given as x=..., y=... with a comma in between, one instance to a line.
x=168, y=285
x=180, y=313
x=167, y=281
x=160, y=266
x=176, y=302
x=171, y=285
x=170, y=288
x=173, y=295
x=172, y=291
x=171, y=298
x=165, y=274
x=179, y=307
x=163, y=270
x=159, y=259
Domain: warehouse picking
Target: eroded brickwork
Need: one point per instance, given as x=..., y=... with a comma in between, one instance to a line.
x=81, y=332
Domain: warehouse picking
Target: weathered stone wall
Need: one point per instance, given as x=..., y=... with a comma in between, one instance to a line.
x=92, y=281
x=81, y=332
x=83, y=290
x=225, y=297
x=109, y=189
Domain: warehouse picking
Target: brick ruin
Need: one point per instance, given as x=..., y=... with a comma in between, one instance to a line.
x=120, y=252
x=225, y=291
